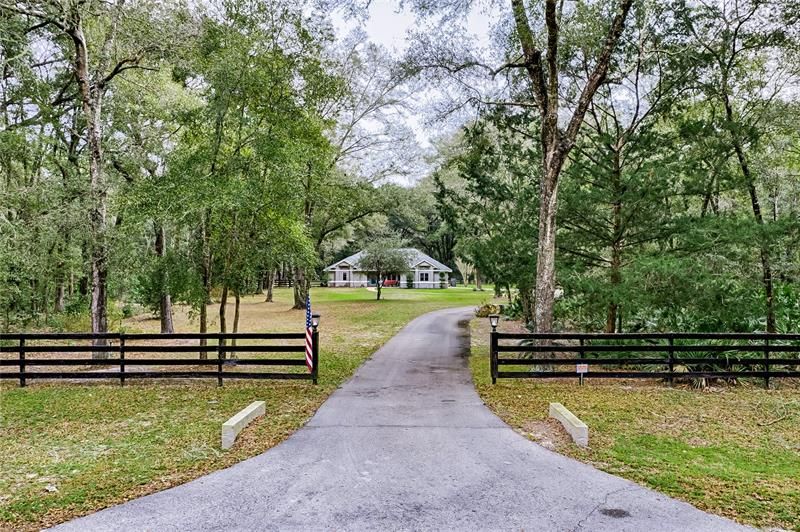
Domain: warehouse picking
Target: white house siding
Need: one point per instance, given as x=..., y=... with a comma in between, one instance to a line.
x=429, y=278
x=353, y=279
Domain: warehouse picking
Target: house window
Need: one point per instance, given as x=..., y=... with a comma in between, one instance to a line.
x=344, y=276
x=424, y=277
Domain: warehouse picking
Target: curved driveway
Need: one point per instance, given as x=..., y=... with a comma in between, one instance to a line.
x=407, y=444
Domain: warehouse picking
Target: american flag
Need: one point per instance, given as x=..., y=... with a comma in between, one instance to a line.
x=309, y=337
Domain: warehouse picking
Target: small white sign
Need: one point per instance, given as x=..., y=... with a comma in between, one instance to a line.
x=582, y=368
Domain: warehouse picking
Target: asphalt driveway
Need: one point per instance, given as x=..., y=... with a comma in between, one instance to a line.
x=407, y=444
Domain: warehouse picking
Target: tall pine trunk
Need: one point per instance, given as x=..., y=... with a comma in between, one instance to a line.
x=764, y=255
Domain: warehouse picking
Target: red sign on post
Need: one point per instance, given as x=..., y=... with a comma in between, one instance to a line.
x=582, y=368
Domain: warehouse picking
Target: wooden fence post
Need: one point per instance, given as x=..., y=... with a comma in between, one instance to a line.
x=671, y=359
x=122, y=360
x=22, y=362
x=493, y=355
x=314, y=355
x=766, y=363
x=581, y=354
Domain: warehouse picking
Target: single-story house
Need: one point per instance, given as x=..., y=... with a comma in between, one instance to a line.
x=426, y=271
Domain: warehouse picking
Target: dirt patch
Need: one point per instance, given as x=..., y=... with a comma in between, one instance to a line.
x=548, y=433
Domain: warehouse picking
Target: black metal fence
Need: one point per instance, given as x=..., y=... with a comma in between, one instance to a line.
x=123, y=353
x=645, y=356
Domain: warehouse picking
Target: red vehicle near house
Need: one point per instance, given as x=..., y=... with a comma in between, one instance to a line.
x=391, y=282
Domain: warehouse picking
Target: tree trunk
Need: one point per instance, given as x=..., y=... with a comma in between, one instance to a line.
x=203, y=329
x=99, y=308
x=544, y=295
x=223, y=327
x=270, y=285
x=205, y=239
x=478, y=280
x=616, y=244
x=165, y=303
x=378, y=286
x=300, y=288
x=616, y=278
x=91, y=96
x=766, y=267
x=556, y=144
x=59, y=303
x=237, y=303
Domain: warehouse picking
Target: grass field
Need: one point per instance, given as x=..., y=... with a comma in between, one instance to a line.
x=733, y=451
x=69, y=449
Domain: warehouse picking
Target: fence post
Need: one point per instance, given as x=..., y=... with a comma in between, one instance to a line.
x=581, y=354
x=493, y=355
x=220, y=354
x=766, y=363
x=314, y=355
x=22, y=362
x=671, y=359
x=122, y=360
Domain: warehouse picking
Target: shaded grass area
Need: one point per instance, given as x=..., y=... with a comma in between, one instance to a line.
x=733, y=451
x=68, y=449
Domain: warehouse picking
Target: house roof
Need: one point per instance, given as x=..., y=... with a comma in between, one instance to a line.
x=415, y=257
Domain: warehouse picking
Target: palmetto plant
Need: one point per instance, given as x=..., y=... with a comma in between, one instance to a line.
x=715, y=361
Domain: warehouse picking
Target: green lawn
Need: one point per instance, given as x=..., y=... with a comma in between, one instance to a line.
x=733, y=451
x=69, y=449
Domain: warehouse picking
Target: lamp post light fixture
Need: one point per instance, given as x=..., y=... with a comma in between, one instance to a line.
x=494, y=319
x=315, y=321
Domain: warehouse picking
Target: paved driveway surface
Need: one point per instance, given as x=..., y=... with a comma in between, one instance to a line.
x=407, y=444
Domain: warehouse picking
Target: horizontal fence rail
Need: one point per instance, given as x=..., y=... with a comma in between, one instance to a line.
x=122, y=356
x=644, y=356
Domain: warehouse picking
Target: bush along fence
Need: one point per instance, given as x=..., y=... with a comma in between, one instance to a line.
x=147, y=356
x=667, y=356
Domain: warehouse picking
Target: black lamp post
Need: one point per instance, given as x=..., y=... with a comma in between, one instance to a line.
x=315, y=321
x=494, y=319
